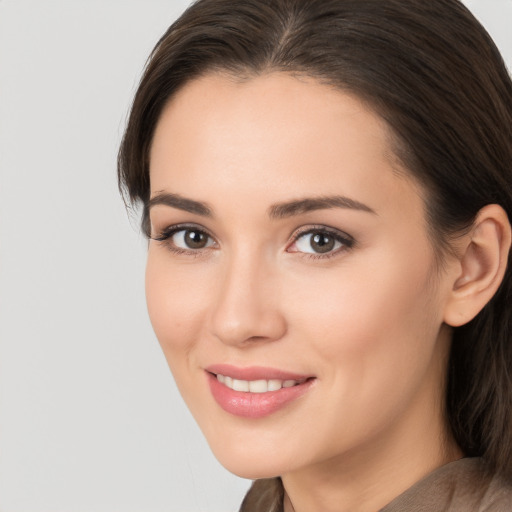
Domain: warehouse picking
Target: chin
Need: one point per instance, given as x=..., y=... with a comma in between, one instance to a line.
x=250, y=470
x=258, y=462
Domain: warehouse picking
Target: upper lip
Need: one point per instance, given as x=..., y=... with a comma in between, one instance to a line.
x=255, y=373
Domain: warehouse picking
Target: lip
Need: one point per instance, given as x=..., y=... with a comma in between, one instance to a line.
x=254, y=373
x=255, y=405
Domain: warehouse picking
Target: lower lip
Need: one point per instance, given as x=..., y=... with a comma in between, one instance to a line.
x=254, y=405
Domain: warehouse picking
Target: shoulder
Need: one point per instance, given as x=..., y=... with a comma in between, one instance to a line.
x=498, y=496
x=461, y=486
x=475, y=488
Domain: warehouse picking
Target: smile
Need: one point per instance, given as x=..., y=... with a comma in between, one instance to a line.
x=255, y=392
x=256, y=386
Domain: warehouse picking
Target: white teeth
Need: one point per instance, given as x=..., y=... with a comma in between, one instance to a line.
x=240, y=385
x=258, y=386
x=255, y=386
x=274, y=385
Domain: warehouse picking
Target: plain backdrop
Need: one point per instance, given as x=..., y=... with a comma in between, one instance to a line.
x=90, y=419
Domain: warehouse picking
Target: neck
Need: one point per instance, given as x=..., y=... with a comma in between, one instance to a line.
x=368, y=480
x=362, y=485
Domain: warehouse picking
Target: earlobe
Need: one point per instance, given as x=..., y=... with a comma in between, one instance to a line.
x=482, y=265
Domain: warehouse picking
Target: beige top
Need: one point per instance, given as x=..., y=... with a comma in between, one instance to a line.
x=461, y=486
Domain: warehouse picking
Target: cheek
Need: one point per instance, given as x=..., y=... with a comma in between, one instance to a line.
x=372, y=335
x=371, y=317
x=175, y=300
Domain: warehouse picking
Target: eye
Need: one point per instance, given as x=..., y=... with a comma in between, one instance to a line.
x=191, y=239
x=320, y=241
x=185, y=238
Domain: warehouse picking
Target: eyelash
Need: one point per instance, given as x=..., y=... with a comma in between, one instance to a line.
x=165, y=238
x=346, y=241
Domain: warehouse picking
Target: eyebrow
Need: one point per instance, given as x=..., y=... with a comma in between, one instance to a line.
x=181, y=203
x=276, y=211
x=309, y=204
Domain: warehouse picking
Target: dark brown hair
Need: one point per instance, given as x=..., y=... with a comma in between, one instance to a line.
x=432, y=72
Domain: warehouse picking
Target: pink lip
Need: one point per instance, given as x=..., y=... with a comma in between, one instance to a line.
x=254, y=405
x=254, y=373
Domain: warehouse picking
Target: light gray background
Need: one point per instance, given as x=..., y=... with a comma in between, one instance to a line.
x=90, y=419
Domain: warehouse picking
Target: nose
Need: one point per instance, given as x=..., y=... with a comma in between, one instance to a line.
x=247, y=307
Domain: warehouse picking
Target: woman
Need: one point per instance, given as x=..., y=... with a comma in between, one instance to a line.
x=326, y=186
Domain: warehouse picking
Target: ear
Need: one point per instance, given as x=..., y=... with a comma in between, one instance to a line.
x=482, y=264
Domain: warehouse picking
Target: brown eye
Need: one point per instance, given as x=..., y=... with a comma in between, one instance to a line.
x=188, y=239
x=195, y=239
x=321, y=242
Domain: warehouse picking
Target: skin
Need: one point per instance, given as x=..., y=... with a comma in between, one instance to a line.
x=367, y=322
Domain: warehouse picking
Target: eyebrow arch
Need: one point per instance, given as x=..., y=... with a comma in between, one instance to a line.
x=181, y=203
x=300, y=206
x=276, y=211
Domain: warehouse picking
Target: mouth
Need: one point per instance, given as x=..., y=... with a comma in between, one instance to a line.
x=255, y=392
x=257, y=386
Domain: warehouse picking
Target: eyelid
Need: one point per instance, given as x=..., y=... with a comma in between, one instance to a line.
x=174, y=228
x=168, y=232
x=344, y=238
x=347, y=241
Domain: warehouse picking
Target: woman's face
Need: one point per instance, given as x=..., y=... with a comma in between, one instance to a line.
x=290, y=278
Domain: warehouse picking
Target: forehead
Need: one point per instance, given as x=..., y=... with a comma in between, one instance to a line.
x=276, y=134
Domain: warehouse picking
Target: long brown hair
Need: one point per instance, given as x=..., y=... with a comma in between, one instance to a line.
x=432, y=72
